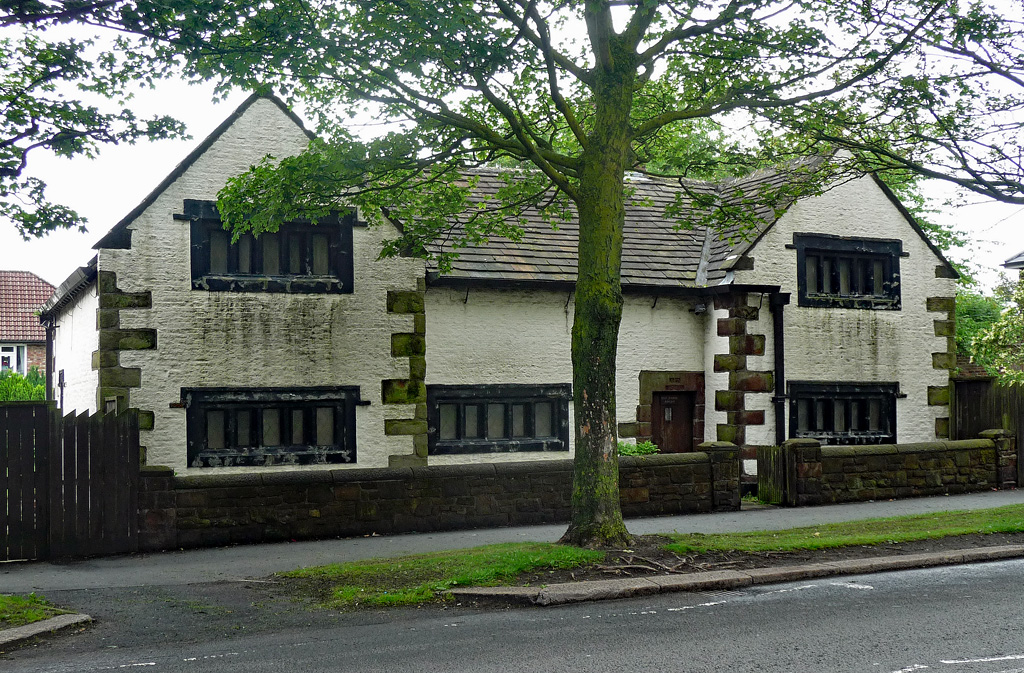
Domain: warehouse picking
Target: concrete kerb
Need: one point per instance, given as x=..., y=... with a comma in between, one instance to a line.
x=578, y=592
x=52, y=625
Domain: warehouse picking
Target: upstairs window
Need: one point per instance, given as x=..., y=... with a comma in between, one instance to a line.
x=299, y=257
x=839, y=272
x=843, y=413
x=498, y=418
x=270, y=426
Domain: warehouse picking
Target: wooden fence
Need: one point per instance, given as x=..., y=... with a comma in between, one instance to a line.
x=70, y=484
x=982, y=405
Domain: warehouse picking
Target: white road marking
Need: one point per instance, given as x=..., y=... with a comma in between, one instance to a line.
x=694, y=607
x=909, y=669
x=786, y=591
x=853, y=585
x=1009, y=657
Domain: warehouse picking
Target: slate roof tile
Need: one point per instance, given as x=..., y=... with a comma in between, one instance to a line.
x=656, y=249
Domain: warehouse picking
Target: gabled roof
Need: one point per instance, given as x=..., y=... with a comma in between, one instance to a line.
x=656, y=250
x=22, y=295
x=73, y=285
x=1015, y=262
x=119, y=235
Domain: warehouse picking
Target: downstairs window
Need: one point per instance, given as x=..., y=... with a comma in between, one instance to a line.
x=843, y=413
x=270, y=426
x=498, y=418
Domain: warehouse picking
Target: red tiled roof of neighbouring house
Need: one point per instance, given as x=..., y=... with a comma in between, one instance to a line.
x=22, y=294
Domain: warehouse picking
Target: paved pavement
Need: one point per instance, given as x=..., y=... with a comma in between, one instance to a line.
x=240, y=562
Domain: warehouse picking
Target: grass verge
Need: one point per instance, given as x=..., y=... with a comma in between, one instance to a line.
x=1009, y=519
x=406, y=580
x=22, y=610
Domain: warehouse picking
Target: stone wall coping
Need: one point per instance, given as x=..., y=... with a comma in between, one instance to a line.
x=659, y=459
x=296, y=477
x=217, y=480
x=947, y=445
x=912, y=447
x=409, y=473
x=717, y=445
x=996, y=433
x=449, y=471
x=370, y=474
x=529, y=467
x=867, y=450
x=803, y=441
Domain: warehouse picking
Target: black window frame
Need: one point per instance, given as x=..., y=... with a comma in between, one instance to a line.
x=199, y=401
x=508, y=395
x=856, y=251
x=845, y=393
x=205, y=220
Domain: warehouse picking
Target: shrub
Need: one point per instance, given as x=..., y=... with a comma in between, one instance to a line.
x=17, y=388
x=638, y=449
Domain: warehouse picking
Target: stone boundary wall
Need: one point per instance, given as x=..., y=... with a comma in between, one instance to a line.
x=209, y=510
x=831, y=474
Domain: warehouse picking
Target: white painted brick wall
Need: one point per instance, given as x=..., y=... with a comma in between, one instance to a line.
x=73, y=344
x=860, y=345
x=256, y=339
x=516, y=336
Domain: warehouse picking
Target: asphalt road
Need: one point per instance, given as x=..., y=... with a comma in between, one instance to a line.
x=959, y=619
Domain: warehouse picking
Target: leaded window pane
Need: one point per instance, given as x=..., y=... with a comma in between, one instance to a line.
x=495, y=421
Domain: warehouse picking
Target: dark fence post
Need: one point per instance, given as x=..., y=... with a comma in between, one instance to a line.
x=1007, y=460
x=803, y=471
x=725, y=475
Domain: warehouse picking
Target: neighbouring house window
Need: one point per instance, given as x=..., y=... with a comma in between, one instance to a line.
x=842, y=272
x=498, y=418
x=270, y=426
x=13, y=359
x=843, y=413
x=299, y=257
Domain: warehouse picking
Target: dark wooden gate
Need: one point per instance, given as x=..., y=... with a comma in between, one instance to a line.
x=71, y=483
x=983, y=405
x=771, y=475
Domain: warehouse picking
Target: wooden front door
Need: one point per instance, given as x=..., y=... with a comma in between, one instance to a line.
x=672, y=421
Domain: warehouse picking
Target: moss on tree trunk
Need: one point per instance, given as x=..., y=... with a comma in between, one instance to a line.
x=596, y=514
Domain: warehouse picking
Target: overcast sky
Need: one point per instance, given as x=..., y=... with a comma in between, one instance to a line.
x=105, y=189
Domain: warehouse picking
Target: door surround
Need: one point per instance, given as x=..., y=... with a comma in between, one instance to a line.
x=666, y=381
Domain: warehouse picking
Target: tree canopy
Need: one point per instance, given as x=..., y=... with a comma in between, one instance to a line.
x=62, y=94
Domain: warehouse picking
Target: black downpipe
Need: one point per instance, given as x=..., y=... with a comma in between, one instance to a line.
x=50, y=328
x=777, y=301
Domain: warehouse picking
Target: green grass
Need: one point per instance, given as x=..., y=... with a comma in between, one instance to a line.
x=407, y=580
x=22, y=610
x=1009, y=519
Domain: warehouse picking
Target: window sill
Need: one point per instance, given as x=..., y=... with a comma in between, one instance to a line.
x=835, y=301
x=503, y=446
x=272, y=284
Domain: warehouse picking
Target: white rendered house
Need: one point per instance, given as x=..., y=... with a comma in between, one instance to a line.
x=302, y=349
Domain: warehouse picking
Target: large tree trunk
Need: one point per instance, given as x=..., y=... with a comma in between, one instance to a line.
x=596, y=513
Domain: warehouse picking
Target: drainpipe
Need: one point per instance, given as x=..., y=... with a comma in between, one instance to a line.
x=777, y=301
x=50, y=328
